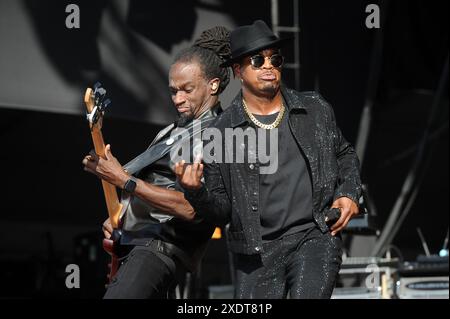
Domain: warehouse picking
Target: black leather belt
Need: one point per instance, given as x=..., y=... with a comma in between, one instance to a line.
x=136, y=239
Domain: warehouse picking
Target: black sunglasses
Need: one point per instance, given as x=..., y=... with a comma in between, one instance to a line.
x=258, y=60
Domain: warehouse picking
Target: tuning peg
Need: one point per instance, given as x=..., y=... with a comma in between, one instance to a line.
x=99, y=96
x=105, y=104
x=96, y=86
x=101, y=91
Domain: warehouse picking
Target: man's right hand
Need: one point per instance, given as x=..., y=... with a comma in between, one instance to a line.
x=189, y=175
x=107, y=229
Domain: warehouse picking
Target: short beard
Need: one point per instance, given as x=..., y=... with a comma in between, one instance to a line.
x=270, y=89
x=184, y=119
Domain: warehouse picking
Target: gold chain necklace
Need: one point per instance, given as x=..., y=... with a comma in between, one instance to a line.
x=262, y=125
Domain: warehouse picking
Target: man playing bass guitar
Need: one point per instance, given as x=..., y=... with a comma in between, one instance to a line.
x=161, y=238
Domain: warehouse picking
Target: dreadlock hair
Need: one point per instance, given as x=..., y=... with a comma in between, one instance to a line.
x=210, y=50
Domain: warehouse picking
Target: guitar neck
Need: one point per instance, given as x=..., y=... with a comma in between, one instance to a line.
x=112, y=201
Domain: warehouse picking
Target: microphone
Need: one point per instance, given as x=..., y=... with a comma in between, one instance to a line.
x=332, y=216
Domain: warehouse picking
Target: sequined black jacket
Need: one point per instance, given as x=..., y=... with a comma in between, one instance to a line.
x=231, y=191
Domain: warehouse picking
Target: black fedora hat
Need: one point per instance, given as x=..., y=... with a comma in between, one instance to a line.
x=249, y=39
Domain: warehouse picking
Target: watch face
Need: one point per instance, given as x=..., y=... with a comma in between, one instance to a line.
x=130, y=186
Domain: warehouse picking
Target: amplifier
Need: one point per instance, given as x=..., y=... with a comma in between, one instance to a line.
x=422, y=288
x=366, y=278
x=357, y=293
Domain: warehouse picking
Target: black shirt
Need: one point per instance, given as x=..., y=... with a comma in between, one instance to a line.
x=188, y=235
x=286, y=195
x=143, y=221
x=332, y=164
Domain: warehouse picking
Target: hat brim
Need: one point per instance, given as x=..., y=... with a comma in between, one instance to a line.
x=273, y=44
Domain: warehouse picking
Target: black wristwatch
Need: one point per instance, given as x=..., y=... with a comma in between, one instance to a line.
x=130, y=185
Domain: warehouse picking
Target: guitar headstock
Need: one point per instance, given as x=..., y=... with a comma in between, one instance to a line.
x=96, y=105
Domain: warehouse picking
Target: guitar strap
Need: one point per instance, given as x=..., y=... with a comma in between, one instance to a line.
x=165, y=145
x=159, y=147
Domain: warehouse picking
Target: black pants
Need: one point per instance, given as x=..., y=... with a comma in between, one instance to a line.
x=304, y=264
x=145, y=274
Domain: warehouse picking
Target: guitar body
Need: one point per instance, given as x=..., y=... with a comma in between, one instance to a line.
x=108, y=246
x=95, y=105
